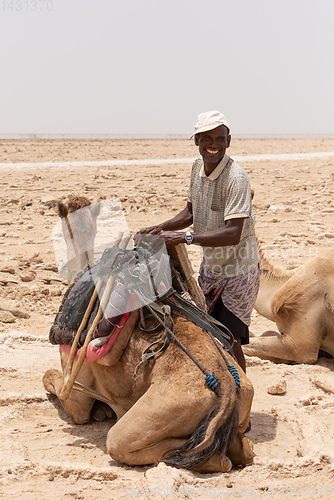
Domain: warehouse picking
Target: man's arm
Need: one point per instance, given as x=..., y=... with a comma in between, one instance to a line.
x=180, y=221
x=225, y=236
x=228, y=235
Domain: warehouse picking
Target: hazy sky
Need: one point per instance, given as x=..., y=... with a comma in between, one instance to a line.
x=150, y=66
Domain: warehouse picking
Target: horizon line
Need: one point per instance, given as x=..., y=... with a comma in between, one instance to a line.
x=33, y=136
x=163, y=161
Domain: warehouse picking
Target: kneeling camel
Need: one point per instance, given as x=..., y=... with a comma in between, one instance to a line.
x=301, y=303
x=167, y=413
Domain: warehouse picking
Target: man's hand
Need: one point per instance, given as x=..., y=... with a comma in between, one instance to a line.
x=172, y=238
x=141, y=235
x=180, y=221
x=156, y=240
x=154, y=229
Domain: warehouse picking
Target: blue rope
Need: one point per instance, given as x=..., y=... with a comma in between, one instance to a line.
x=234, y=374
x=212, y=381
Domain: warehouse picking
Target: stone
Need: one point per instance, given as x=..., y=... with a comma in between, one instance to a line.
x=18, y=313
x=6, y=278
x=278, y=389
x=7, y=269
x=7, y=317
x=30, y=276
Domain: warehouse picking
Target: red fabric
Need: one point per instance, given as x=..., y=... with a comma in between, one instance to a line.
x=94, y=353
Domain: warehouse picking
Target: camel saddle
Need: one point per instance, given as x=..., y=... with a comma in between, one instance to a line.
x=137, y=273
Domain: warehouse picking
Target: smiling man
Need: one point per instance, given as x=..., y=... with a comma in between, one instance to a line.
x=220, y=208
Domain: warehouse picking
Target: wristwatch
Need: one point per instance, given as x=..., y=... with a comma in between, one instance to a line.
x=189, y=238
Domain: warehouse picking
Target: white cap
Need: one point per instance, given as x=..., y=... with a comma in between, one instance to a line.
x=209, y=121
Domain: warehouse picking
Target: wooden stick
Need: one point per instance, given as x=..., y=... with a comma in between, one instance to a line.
x=68, y=383
x=180, y=254
x=69, y=365
x=70, y=232
x=87, y=258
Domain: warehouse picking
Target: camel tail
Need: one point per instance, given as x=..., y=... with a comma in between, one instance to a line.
x=212, y=435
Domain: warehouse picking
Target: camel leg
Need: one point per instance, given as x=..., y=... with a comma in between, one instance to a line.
x=140, y=436
x=102, y=411
x=78, y=405
x=275, y=348
x=299, y=343
x=240, y=450
x=245, y=398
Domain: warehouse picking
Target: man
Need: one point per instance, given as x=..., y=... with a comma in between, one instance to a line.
x=220, y=208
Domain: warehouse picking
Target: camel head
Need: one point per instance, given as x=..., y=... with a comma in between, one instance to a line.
x=79, y=218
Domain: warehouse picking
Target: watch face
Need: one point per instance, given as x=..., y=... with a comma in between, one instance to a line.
x=189, y=238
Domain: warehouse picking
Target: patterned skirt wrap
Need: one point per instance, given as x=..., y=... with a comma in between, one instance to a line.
x=238, y=293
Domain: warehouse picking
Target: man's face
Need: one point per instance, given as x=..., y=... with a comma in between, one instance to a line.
x=213, y=144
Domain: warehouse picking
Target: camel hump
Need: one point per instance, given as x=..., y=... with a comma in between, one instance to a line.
x=283, y=308
x=301, y=290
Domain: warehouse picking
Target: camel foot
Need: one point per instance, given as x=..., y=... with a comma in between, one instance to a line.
x=240, y=450
x=101, y=411
x=217, y=463
x=78, y=406
x=247, y=455
x=51, y=380
x=226, y=464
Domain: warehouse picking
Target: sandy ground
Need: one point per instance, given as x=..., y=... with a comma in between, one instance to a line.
x=43, y=455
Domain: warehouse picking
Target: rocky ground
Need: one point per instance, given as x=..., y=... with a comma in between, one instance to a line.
x=43, y=455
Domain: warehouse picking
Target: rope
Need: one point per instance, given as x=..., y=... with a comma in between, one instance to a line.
x=232, y=369
x=235, y=375
x=165, y=338
x=201, y=319
x=209, y=378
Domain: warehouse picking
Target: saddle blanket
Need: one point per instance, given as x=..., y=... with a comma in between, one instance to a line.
x=100, y=346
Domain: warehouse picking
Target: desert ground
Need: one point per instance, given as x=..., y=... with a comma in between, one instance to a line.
x=43, y=454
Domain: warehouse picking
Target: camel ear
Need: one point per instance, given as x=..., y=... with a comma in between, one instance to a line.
x=62, y=209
